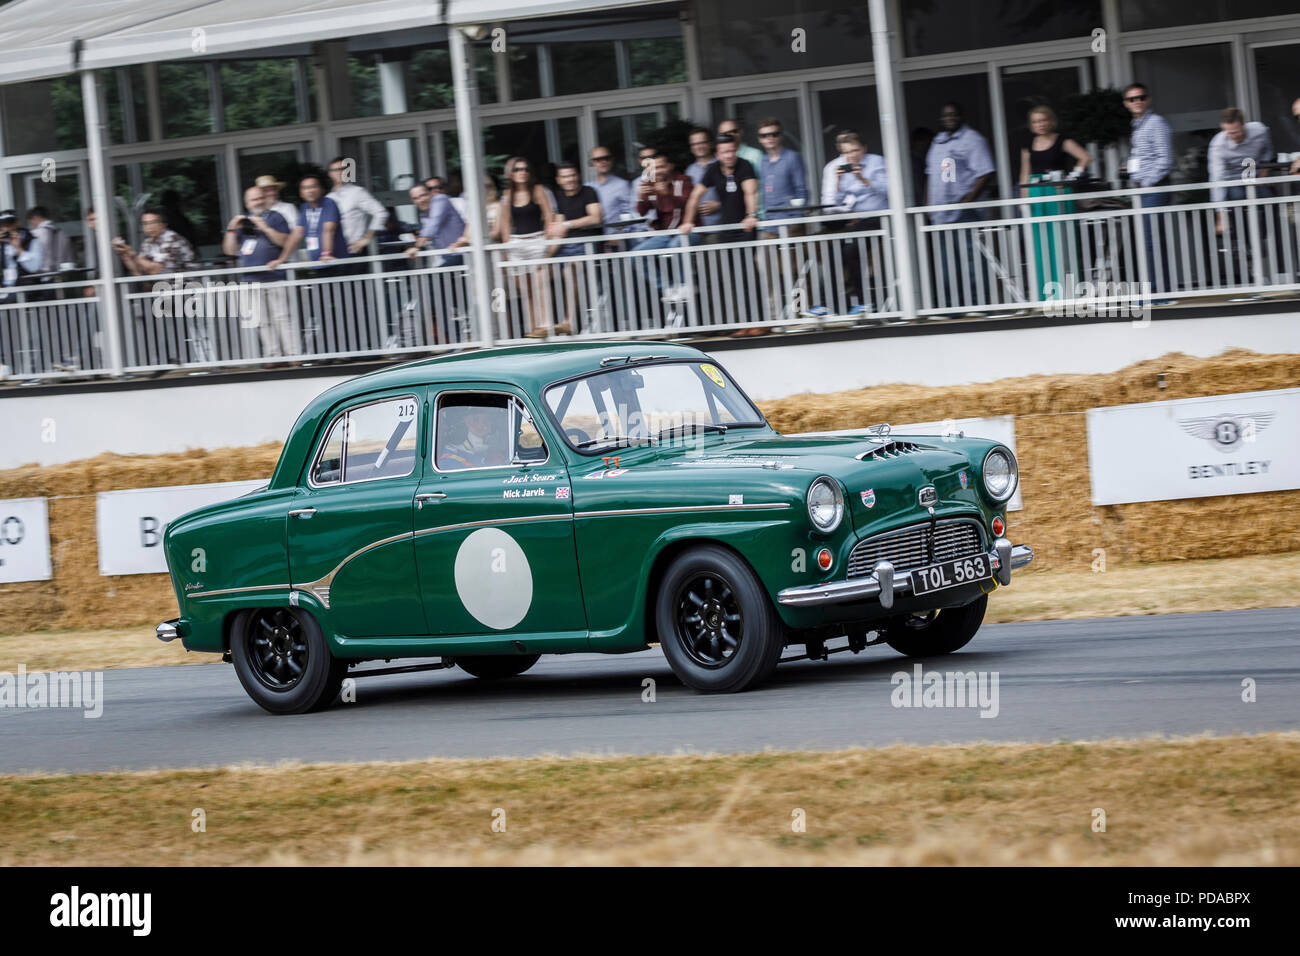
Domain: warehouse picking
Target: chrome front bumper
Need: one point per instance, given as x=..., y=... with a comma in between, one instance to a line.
x=166, y=631
x=882, y=584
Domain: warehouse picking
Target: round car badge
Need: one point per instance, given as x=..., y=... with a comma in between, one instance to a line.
x=493, y=579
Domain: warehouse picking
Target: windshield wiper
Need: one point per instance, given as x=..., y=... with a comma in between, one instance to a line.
x=620, y=441
x=699, y=426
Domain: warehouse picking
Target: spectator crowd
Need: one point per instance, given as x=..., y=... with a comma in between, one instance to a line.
x=739, y=191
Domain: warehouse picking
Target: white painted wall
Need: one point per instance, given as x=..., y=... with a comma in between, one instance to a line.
x=151, y=420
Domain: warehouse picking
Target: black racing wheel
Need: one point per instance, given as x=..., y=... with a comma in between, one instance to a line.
x=283, y=660
x=716, y=625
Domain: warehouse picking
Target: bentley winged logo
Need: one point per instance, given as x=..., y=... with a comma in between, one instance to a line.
x=1226, y=432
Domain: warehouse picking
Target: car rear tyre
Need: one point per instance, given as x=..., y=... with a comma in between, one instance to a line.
x=938, y=632
x=283, y=660
x=495, y=666
x=716, y=625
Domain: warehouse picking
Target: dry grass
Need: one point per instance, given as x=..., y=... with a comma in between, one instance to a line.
x=1196, y=801
x=1271, y=580
x=1170, y=587
x=93, y=650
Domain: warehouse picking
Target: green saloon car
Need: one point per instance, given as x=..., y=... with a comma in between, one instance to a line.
x=487, y=508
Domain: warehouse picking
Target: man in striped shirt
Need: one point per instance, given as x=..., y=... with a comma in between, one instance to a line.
x=1150, y=159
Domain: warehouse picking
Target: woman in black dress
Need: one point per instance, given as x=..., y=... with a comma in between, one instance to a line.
x=1048, y=149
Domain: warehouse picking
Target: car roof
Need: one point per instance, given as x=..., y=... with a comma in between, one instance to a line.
x=530, y=367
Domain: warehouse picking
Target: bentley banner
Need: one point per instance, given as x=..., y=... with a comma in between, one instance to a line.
x=1195, y=447
x=131, y=523
x=24, y=540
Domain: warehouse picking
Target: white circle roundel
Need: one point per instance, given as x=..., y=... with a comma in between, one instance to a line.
x=493, y=579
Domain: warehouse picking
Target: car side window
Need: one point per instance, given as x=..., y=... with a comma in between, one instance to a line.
x=485, y=430
x=367, y=442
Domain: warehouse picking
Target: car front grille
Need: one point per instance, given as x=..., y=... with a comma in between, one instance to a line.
x=909, y=547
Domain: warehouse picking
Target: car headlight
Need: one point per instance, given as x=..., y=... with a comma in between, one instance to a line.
x=1000, y=474
x=825, y=504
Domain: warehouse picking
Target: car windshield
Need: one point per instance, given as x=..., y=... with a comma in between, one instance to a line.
x=638, y=404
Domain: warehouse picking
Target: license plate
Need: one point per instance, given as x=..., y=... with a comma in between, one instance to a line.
x=951, y=573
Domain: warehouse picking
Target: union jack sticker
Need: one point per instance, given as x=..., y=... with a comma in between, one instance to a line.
x=869, y=497
x=562, y=493
x=961, y=476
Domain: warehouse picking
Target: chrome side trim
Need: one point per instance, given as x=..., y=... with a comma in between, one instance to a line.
x=760, y=506
x=321, y=586
x=259, y=587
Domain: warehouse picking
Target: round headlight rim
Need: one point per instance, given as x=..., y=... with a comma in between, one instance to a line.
x=1015, y=473
x=838, y=497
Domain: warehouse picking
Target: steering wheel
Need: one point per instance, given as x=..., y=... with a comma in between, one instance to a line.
x=577, y=435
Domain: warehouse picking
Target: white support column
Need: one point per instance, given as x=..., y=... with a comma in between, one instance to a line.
x=110, y=319
x=894, y=139
x=469, y=132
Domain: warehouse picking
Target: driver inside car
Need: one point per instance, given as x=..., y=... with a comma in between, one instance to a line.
x=474, y=441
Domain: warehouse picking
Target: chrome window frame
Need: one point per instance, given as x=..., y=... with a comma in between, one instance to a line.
x=433, y=434
x=320, y=450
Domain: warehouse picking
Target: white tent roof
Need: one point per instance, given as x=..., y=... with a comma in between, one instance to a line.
x=39, y=37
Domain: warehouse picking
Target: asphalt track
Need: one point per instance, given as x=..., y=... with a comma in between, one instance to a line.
x=1082, y=679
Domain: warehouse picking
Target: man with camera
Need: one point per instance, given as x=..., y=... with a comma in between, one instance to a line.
x=855, y=181
x=257, y=239
x=21, y=255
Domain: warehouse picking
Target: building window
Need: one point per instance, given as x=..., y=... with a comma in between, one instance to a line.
x=184, y=97
x=655, y=61
x=260, y=93
x=43, y=116
x=584, y=67
x=127, y=104
x=1190, y=86
x=1148, y=16
x=1277, y=74
x=743, y=37
x=429, y=79
x=946, y=26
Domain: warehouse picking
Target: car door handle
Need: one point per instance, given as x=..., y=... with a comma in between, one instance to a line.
x=302, y=512
x=420, y=499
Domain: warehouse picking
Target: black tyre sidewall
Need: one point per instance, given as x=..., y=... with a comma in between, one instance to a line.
x=761, y=632
x=319, y=684
x=952, y=630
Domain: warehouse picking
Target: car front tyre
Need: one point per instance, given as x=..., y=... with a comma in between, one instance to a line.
x=939, y=632
x=283, y=660
x=715, y=623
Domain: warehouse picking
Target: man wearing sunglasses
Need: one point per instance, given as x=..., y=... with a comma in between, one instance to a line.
x=617, y=196
x=1150, y=160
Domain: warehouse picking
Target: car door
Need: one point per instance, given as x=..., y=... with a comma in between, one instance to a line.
x=350, y=526
x=494, y=537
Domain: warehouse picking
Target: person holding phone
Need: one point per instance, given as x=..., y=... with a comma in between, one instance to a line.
x=854, y=182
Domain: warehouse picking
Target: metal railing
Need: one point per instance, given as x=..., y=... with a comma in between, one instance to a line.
x=718, y=278
x=1111, y=248
x=1093, y=250
x=50, y=330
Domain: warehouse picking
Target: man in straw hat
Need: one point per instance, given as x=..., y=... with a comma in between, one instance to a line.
x=271, y=187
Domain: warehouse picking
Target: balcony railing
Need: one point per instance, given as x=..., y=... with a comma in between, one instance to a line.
x=1029, y=255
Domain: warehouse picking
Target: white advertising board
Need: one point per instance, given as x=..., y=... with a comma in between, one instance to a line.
x=24, y=540
x=1195, y=447
x=130, y=524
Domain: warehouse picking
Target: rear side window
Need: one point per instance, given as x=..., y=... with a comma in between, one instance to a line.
x=368, y=442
